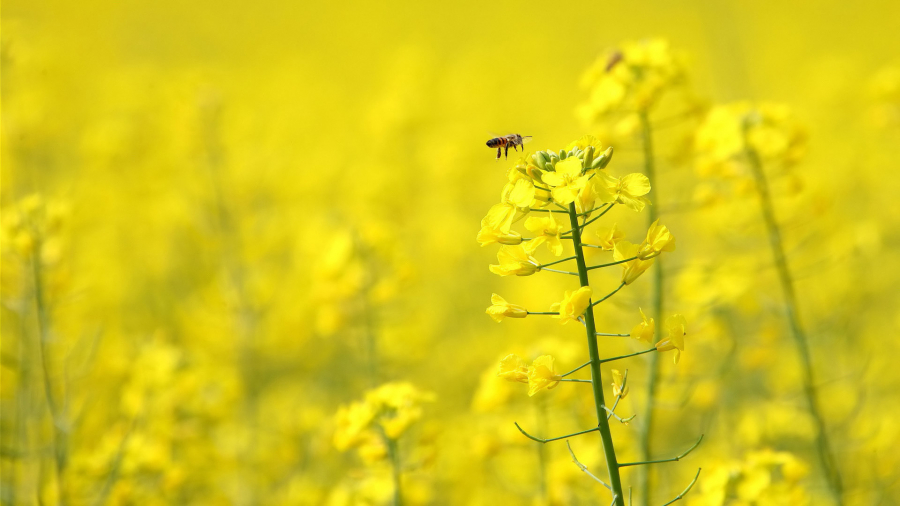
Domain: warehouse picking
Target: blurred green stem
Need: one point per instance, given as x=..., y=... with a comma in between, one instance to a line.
x=646, y=428
x=823, y=445
x=43, y=325
x=603, y=424
x=394, y=455
x=542, y=449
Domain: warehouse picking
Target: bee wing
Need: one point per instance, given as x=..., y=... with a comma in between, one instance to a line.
x=526, y=139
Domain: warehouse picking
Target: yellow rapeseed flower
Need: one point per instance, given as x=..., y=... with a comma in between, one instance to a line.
x=548, y=228
x=675, y=332
x=513, y=368
x=516, y=260
x=573, y=304
x=609, y=236
x=633, y=268
x=644, y=330
x=628, y=190
x=658, y=239
x=542, y=375
x=501, y=309
x=495, y=226
x=567, y=181
x=618, y=385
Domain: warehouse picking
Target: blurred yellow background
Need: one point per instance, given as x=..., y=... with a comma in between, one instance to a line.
x=245, y=216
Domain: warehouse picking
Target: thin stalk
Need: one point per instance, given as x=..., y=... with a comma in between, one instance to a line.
x=558, y=261
x=656, y=296
x=611, y=263
x=660, y=461
x=559, y=272
x=542, y=449
x=43, y=322
x=626, y=356
x=394, y=455
x=603, y=424
x=823, y=445
x=582, y=366
x=610, y=294
x=595, y=218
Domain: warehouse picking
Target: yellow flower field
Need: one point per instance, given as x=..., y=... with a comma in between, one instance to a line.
x=295, y=253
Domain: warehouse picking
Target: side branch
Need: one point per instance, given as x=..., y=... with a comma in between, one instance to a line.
x=612, y=412
x=610, y=294
x=560, y=272
x=558, y=261
x=539, y=440
x=585, y=469
x=685, y=491
x=673, y=459
x=611, y=263
x=626, y=356
x=595, y=218
x=582, y=366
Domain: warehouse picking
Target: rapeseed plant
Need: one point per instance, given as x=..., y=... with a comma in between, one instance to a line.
x=626, y=86
x=737, y=142
x=574, y=183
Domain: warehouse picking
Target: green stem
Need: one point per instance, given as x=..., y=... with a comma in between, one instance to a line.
x=558, y=261
x=611, y=263
x=595, y=218
x=542, y=449
x=610, y=294
x=540, y=440
x=394, y=454
x=43, y=322
x=597, y=386
x=673, y=459
x=626, y=356
x=823, y=445
x=646, y=428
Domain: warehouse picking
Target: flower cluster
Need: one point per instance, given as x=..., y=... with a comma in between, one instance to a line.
x=631, y=78
x=32, y=227
x=539, y=375
x=385, y=413
x=729, y=131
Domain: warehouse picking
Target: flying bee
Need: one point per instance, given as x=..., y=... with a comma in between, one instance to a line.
x=503, y=143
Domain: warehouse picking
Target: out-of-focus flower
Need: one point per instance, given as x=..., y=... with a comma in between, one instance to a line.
x=389, y=410
x=674, y=339
x=542, y=374
x=573, y=304
x=728, y=131
x=500, y=309
x=644, y=330
x=631, y=78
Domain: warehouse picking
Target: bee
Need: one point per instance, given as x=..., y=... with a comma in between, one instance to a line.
x=503, y=143
x=614, y=58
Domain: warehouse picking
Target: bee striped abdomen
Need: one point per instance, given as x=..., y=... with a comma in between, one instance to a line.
x=496, y=142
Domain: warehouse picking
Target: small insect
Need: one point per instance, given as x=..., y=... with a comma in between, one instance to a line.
x=503, y=143
x=614, y=58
